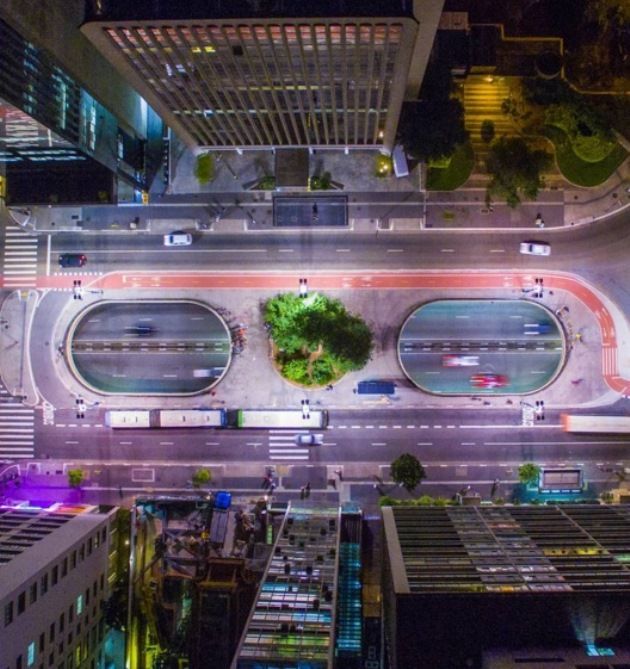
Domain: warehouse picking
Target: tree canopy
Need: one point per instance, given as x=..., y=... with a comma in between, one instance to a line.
x=515, y=169
x=407, y=471
x=317, y=338
x=75, y=478
x=201, y=477
x=528, y=473
x=431, y=129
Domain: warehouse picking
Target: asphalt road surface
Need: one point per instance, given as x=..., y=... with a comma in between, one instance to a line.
x=515, y=340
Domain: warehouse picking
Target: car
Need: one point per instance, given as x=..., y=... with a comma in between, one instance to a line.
x=535, y=248
x=140, y=330
x=178, y=238
x=452, y=360
x=488, y=380
x=72, y=260
x=309, y=439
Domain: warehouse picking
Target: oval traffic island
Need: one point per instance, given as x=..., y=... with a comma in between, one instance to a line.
x=149, y=347
x=481, y=347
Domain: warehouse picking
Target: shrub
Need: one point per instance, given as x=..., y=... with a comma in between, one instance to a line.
x=383, y=166
x=487, y=131
x=204, y=168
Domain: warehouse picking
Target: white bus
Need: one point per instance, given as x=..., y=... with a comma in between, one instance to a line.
x=246, y=418
x=596, y=424
x=128, y=419
x=192, y=418
x=166, y=418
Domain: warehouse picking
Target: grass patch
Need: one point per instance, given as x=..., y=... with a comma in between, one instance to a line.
x=457, y=172
x=576, y=170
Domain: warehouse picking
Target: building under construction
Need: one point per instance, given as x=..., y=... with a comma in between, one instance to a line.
x=234, y=586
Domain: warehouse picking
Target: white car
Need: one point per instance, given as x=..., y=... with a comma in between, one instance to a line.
x=452, y=360
x=178, y=238
x=309, y=439
x=535, y=248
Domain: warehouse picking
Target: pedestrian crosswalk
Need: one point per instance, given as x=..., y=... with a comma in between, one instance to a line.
x=19, y=258
x=283, y=445
x=17, y=426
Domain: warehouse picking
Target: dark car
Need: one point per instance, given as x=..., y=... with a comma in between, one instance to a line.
x=140, y=330
x=72, y=260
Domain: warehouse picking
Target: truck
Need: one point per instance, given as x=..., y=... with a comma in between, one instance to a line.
x=596, y=424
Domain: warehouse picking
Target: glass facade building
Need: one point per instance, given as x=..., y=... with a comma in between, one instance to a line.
x=58, y=144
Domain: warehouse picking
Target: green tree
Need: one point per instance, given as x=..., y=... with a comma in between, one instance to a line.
x=75, y=478
x=431, y=130
x=201, y=477
x=528, y=473
x=407, y=471
x=515, y=169
x=300, y=327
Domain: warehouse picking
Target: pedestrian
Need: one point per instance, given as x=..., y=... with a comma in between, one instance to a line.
x=272, y=487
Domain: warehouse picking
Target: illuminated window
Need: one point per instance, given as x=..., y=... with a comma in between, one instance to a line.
x=79, y=605
x=30, y=654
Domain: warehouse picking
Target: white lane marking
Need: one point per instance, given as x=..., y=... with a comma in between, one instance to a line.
x=48, y=249
x=497, y=250
x=379, y=443
x=167, y=443
x=511, y=426
x=212, y=443
x=253, y=443
x=286, y=250
x=342, y=250
x=72, y=442
x=447, y=250
x=285, y=457
x=424, y=443
x=395, y=250
x=555, y=443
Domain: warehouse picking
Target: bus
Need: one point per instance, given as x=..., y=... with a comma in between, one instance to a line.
x=560, y=480
x=192, y=418
x=246, y=418
x=128, y=419
x=597, y=424
x=165, y=418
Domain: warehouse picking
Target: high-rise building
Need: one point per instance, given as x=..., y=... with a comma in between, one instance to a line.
x=56, y=569
x=459, y=580
x=71, y=130
x=268, y=73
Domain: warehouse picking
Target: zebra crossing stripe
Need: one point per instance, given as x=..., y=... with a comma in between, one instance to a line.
x=17, y=428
